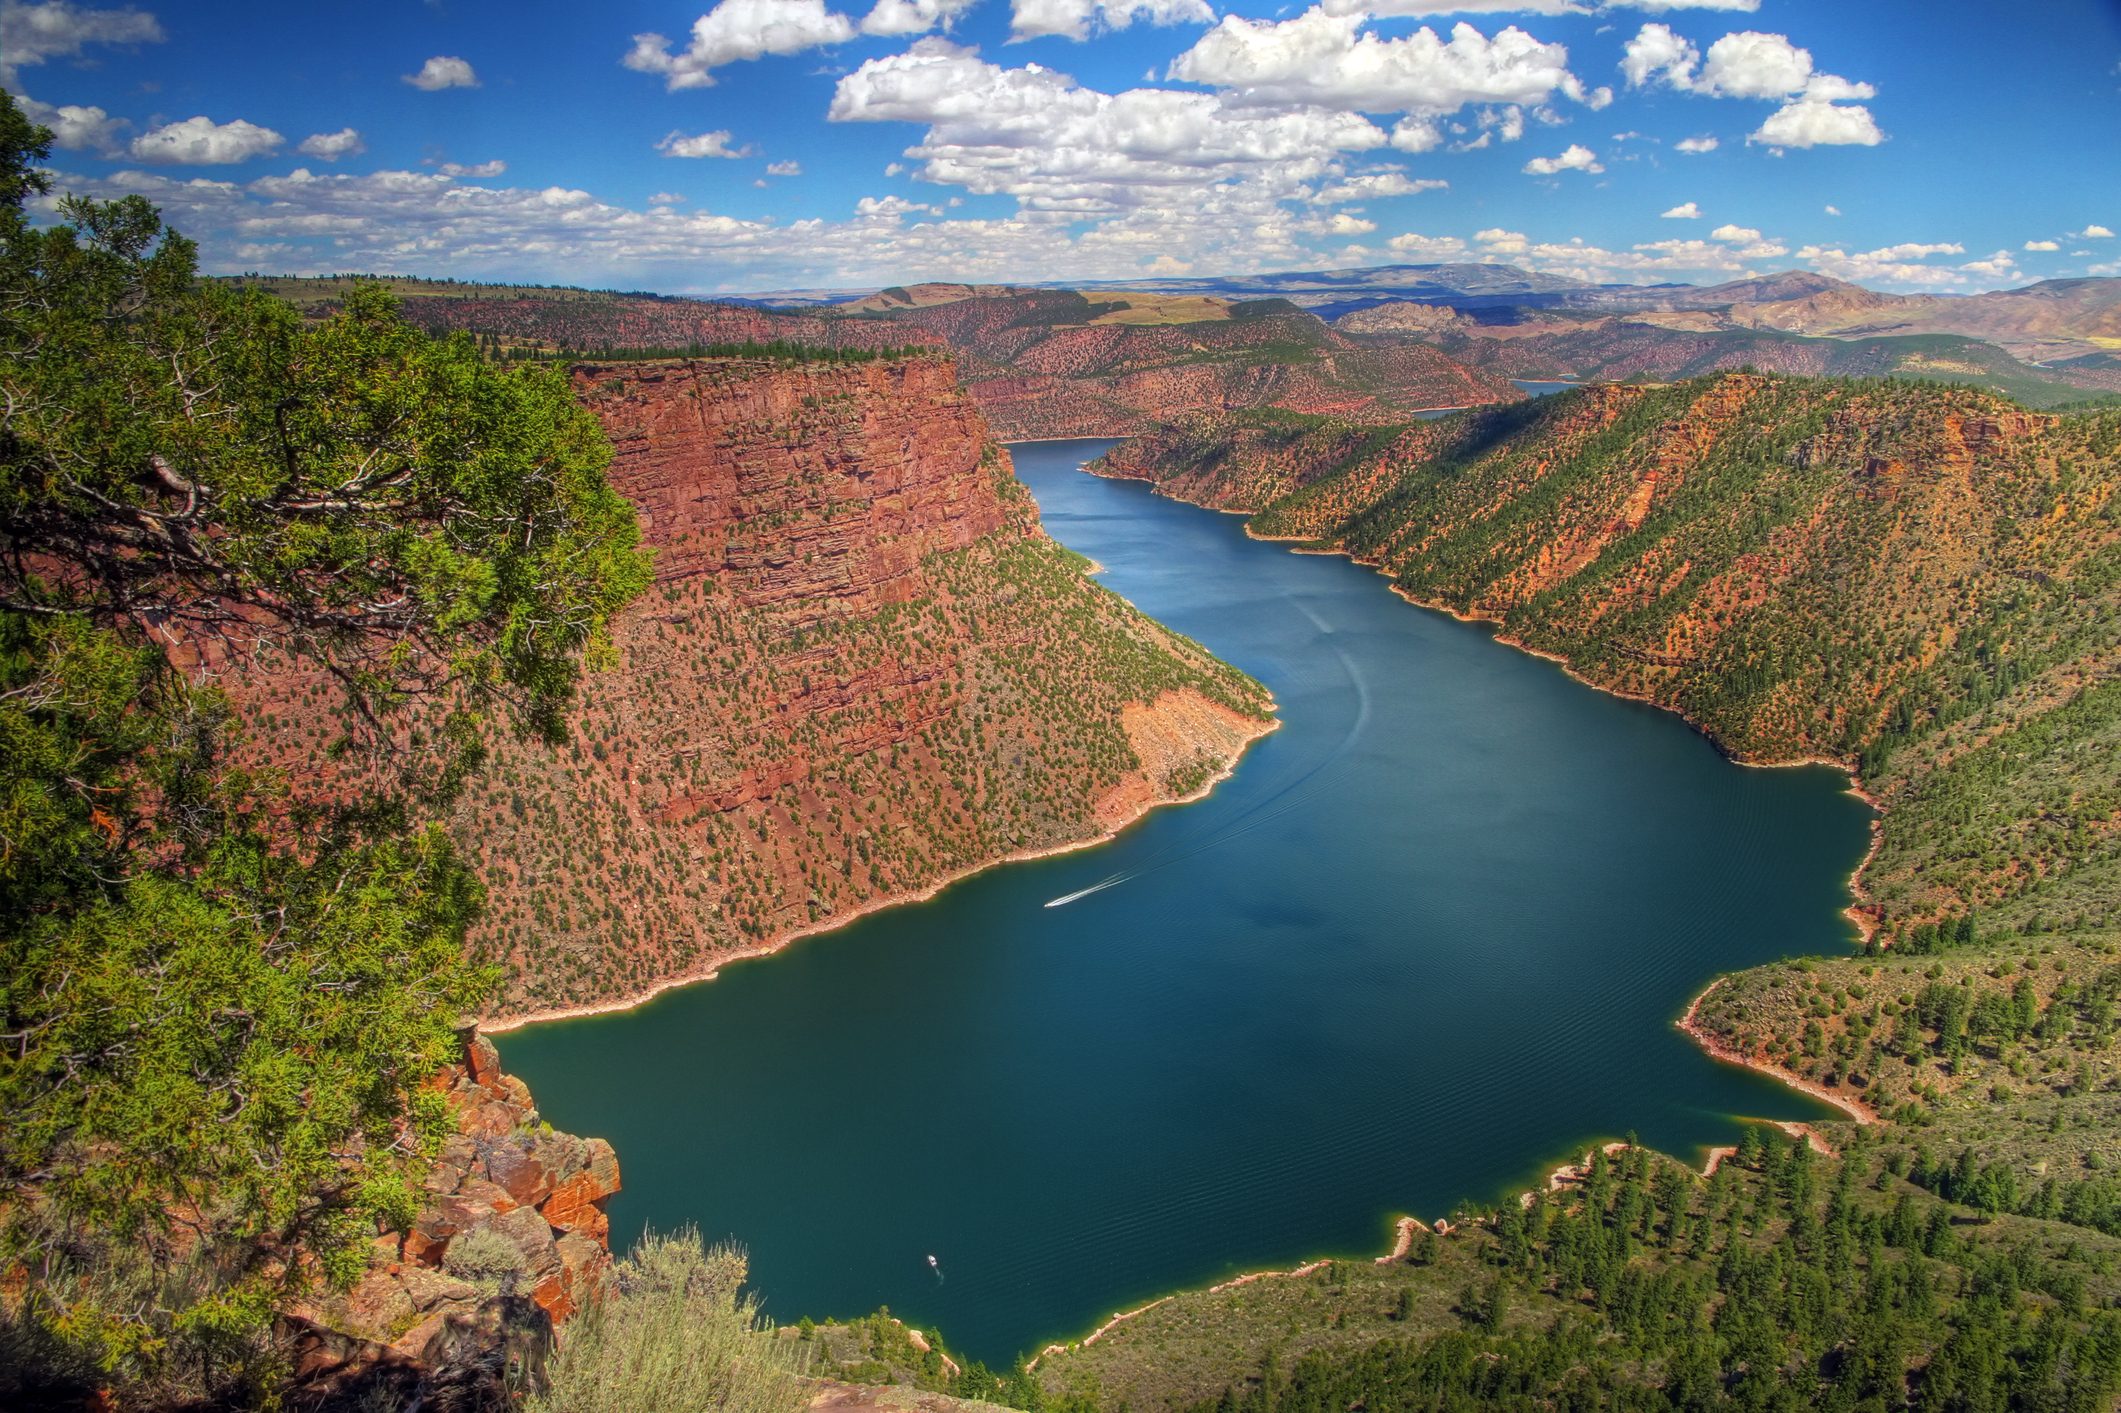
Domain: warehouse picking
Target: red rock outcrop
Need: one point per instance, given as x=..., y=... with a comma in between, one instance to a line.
x=510, y=1240
x=862, y=670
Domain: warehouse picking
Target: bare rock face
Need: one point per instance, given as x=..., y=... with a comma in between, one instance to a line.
x=763, y=476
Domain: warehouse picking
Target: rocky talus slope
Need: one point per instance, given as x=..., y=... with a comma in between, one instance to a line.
x=862, y=670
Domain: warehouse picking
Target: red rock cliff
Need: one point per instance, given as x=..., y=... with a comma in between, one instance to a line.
x=863, y=669
x=824, y=485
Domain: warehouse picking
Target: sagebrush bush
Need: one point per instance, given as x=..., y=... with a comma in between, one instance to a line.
x=673, y=1331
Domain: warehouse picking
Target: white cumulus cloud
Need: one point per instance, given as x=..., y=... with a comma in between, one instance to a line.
x=1687, y=212
x=331, y=146
x=75, y=127
x=1330, y=61
x=493, y=168
x=1427, y=247
x=1078, y=19
x=1372, y=186
x=896, y=17
x=706, y=144
x=784, y=169
x=1412, y=134
x=443, y=71
x=1811, y=123
x=1340, y=223
x=2094, y=233
x=1818, y=109
x=1889, y=264
x=1694, y=146
x=737, y=30
x=202, y=142
x=1059, y=147
x=1574, y=158
x=1747, y=243
x=33, y=34
x=2042, y=245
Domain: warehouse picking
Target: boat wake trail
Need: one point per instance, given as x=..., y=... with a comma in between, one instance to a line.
x=1066, y=898
x=1289, y=797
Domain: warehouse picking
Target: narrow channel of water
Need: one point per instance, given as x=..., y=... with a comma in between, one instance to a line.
x=1431, y=937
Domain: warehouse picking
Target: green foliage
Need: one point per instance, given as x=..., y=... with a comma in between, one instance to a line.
x=221, y=994
x=198, y=457
x=673, y=1330
x=1781, y=1285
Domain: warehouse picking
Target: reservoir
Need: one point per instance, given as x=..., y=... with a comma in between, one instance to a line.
x=1429, y=940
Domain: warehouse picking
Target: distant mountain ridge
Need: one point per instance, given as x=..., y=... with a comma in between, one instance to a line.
x=1066, y=363
x=2049, y=317
x=1109, y=359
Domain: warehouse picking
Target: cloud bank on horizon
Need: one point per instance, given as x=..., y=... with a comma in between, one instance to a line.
x=900, y=140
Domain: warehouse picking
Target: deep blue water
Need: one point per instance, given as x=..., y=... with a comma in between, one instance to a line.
x=1430, y=938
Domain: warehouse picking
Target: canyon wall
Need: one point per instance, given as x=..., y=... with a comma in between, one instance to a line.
x=862, y=669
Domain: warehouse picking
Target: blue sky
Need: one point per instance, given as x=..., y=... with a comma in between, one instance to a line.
x=1949, y=145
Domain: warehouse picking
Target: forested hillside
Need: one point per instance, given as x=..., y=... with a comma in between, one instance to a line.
x=1916, y=580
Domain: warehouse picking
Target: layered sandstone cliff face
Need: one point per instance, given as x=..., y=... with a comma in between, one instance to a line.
x=862, y=669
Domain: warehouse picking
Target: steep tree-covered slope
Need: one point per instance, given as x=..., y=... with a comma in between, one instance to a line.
x=1917, y=580
x=227, y=994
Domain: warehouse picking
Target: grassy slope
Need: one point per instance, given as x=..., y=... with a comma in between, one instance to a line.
x=1918, y=578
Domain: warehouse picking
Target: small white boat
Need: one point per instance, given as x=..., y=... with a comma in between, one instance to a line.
x=933, y=1262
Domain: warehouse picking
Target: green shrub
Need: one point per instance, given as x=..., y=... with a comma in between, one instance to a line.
x=673, y=1331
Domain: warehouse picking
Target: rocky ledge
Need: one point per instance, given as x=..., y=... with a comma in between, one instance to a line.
x=511, y=1240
